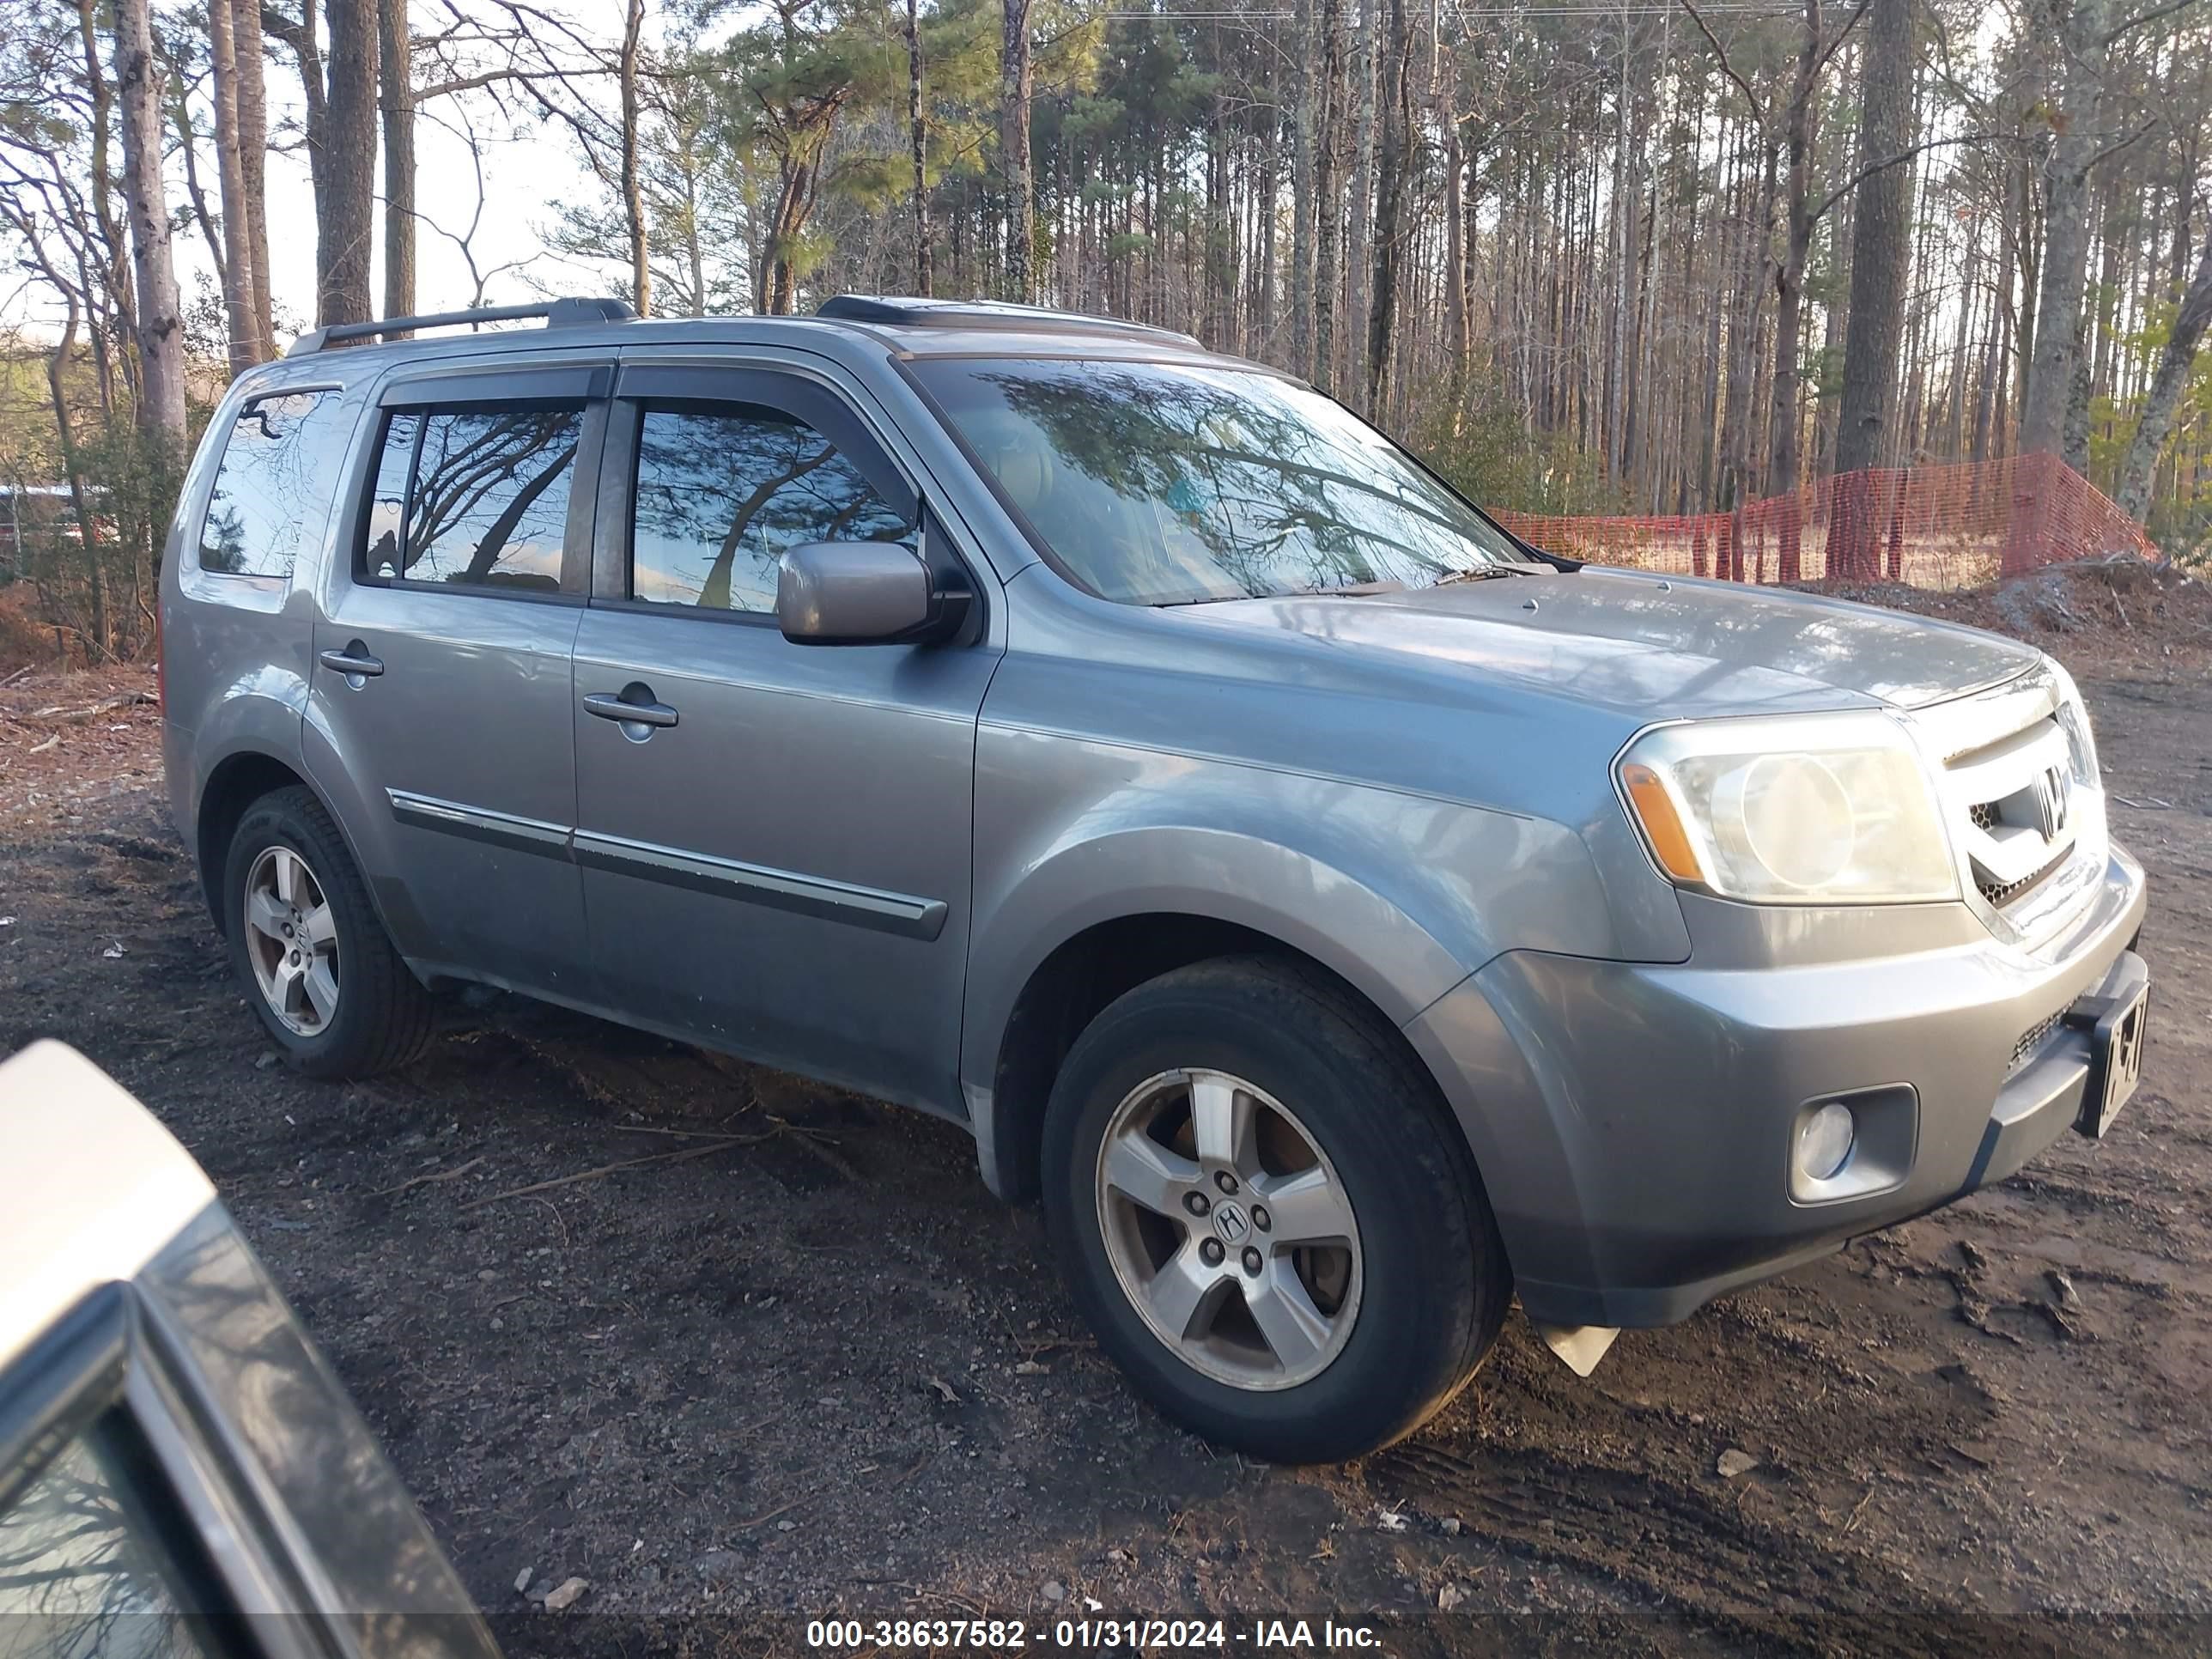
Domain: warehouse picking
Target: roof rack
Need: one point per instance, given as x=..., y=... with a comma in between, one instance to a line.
x=557, y=313
x=908, y=313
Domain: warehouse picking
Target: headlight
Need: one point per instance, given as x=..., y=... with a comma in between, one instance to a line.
x=2073, y=720
x=1828, y=808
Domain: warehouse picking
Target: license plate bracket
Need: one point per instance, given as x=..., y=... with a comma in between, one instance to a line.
x=2117, y=1023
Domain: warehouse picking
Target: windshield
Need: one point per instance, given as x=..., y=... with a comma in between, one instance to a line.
x=1156, y=484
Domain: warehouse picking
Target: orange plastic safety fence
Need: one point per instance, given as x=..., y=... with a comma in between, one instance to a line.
x=1959, y=525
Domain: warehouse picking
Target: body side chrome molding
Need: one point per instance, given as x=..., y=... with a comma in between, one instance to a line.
x=480, y=823
x=753, y=884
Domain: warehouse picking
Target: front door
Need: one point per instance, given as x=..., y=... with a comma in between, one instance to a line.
x=441, y=692
x=780, y=865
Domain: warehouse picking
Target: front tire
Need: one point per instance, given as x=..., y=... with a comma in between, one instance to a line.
x=1266, y=1214
x=317, y=965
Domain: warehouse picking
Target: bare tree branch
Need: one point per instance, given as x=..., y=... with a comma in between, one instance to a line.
x=1898, y=160
x=1728, y=66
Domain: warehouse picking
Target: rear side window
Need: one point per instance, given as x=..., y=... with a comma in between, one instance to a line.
x=474, y=497
x=274, y=489
x=722, y=492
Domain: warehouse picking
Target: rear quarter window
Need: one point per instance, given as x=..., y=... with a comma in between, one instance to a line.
x=276, y=484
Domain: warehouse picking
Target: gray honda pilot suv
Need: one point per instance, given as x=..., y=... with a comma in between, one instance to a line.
x=1343, y=915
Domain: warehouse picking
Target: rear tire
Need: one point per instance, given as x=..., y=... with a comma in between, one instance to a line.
x=1306, y=1353
x=317, y=965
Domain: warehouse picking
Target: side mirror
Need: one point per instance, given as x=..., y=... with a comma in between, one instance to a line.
x=862, y=593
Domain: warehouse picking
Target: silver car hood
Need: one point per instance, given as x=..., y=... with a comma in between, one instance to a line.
x=1659, y=647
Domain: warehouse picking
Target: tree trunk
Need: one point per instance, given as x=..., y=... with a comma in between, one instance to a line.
x=1016, y=84
x=2074, y=431
x=633, y=190
x=1622, y=205
x=252, y=163
x=1881, y=255
x=2080, y=34
x=1789, y=294
x=1360, y=252
x=398, y=103
x=160, y=325
x=1305, y=134
x=73, y=470
x=1396, y=162
x=345, y=183
x=2174, y=363
x=920, y=133
x=1458, y=304
x=1328, y=198
x=800, y=177
x=115, y=272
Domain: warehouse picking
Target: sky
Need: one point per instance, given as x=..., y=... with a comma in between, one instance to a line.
x=528, y=170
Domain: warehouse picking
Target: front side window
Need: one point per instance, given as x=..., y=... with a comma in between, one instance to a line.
x=473, y=497
x=1154, y=484
x=723, y=491
x=273, y=493
x=83, y=1570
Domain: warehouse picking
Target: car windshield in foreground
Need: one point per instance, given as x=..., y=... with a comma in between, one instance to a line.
x=1158, y=484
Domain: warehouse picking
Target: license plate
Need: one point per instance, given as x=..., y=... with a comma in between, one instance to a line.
x=2116, y=1052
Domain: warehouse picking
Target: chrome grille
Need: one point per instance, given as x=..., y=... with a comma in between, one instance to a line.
x=2008, y=777
x=2002, y=893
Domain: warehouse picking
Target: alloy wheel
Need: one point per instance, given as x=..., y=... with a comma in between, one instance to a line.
x=1228, y=1229
x=292, y=941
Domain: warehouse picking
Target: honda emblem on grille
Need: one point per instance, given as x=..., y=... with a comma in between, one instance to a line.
x=2053, y=802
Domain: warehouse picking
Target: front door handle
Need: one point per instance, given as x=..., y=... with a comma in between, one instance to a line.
x=644, y=711
x=354, y=661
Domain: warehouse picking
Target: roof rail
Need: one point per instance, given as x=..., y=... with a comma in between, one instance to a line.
x=901, y=311
x=557, y=313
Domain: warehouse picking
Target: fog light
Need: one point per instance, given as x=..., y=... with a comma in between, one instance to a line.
x=1824, y=1141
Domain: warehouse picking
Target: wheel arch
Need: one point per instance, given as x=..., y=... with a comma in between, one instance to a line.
x=233, y=784
x=240, y=778
x=1008, y=1075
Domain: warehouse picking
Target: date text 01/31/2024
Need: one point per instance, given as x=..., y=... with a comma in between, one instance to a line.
x=1280, y=1635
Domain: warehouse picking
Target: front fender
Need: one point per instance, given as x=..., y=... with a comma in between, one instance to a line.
x=1401, y=895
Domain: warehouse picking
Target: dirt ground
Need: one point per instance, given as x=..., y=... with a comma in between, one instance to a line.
x=793, y=1361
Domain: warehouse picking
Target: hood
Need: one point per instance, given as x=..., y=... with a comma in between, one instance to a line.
x=1655, y=646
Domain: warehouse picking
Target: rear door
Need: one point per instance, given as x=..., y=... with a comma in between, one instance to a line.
x=442, y=691
x=784, y=870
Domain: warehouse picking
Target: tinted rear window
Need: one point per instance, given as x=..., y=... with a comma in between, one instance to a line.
x=274, y=490
x=473, y=497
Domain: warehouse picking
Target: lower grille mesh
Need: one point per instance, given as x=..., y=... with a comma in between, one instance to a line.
x=2031, y=1040
x=2002, y=893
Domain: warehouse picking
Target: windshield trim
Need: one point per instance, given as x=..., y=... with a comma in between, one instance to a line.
x=904, y=363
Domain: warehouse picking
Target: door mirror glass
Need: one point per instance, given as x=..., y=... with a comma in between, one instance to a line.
x=860, y=593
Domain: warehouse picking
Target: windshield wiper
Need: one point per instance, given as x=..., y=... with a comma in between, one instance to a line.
x=1347, y=591
x=1482, y=575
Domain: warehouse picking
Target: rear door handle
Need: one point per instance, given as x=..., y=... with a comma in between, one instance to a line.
x=609, y=707
x=354, y=660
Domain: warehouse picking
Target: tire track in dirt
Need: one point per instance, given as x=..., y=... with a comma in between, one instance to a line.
x=1692, y=1548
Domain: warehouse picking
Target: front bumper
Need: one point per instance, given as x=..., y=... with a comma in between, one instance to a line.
x=1633, y=1122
